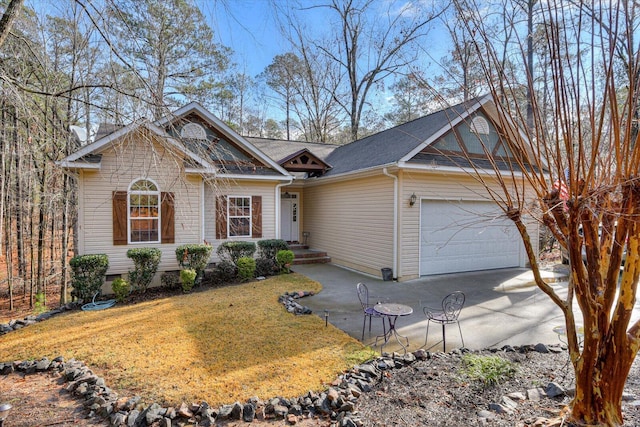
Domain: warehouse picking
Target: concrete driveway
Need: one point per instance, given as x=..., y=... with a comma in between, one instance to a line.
x=502, y=306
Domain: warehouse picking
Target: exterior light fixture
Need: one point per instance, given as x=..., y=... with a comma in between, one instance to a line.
x=5, y=408
x=412, y=199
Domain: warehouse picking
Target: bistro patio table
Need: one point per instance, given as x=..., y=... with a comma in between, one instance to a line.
x=391, y=311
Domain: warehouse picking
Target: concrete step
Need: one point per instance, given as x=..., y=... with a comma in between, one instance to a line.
x=304, y=255
x=315, y=260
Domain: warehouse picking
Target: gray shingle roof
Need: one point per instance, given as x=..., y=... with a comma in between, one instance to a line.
x=279, y=149
x=391, y=145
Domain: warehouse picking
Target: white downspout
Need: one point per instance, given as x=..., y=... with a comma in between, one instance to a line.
x=395, y=221
x=277, y=203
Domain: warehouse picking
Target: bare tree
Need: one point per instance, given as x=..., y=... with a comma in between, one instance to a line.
x=170, y=46
x=578, y=155
x=368, y=45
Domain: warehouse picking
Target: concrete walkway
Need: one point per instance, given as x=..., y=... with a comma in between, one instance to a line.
x=502, y=306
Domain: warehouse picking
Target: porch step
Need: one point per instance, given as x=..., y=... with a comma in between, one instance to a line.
x=304, y=255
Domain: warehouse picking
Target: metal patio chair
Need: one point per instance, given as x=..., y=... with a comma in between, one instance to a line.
x=451, y=307
x=367, y=308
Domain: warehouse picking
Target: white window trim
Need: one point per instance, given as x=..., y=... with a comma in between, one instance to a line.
x=193, y=131
x=157, y=193
x=229, y=216
x=479, y=125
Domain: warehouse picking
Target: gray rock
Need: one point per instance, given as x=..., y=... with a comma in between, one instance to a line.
x=133, y=418
x=508, y=402
x=236, y=411
x=516, y=395
x=500, y=409
x=627, y=397
x=248, y=413
x=280, y=411
x=153, y=413
x=535, y=394
x=486, y=414
x=224, y=413
x=554, y=390
x=118, y=419
x=541, y=348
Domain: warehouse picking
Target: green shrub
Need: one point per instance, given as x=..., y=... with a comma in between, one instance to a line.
x=269, y=248
x=266, y=267
x=284, y=260
x=232, y=251
x=40, y=304
x=88, y=275
x=224, y=272
x=120, y=288
x=246, y=268
x=188, y=278
x=145, y=265
x=489, y=370
x=170, y=280
x=194, y=256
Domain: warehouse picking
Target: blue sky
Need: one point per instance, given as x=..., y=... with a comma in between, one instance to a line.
x=249, y=27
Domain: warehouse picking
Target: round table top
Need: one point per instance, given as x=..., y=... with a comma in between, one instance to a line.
x=393, y=309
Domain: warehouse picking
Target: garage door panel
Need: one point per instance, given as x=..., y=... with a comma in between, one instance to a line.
x=466, y=236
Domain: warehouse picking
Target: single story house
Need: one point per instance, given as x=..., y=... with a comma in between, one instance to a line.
x=402, y=199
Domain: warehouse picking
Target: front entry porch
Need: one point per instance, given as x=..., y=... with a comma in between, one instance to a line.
x=304, y=255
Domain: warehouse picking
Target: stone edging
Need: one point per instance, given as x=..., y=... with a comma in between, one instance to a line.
x=336, y=403
x=16, y=324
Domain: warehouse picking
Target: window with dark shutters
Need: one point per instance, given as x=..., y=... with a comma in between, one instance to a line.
x=223, y=216
x=121, y=218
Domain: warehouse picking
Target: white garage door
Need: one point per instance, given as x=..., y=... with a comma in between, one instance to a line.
x=466, y=236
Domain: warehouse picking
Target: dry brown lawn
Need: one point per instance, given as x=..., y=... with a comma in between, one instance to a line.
x=220, y=345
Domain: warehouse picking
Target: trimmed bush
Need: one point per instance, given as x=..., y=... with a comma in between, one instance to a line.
x=269, y=248
x=284, y=260
x=224, y=272
x=145, y=265
x=194, y=256
x=88, y=275
x=188, y=278
x=266, y=267
x=246, y=268
x=170, y=280
x=232, y=251
x=120, y=288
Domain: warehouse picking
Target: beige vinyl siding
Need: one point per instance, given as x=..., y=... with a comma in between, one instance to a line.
x=352, y=220
x=435, y=186
x=133, y=158
x=239, y=188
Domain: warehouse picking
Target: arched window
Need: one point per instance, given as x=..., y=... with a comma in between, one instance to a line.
x=193, y=131
x=479, y=125
x=144, y=212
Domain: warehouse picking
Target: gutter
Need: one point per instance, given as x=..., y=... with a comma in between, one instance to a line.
x=395, y=221
x=277, y=204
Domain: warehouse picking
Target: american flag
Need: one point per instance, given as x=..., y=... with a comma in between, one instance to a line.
x=562, y=188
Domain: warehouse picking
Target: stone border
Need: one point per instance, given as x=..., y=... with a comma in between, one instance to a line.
x=336, y=403
x=16, y=324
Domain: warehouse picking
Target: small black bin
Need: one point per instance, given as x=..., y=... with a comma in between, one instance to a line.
x=387, y=274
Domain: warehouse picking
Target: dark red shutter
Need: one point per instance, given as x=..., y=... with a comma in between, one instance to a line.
x=167, y=218
x=256, y=217
x=120, y=218
x=221, y=217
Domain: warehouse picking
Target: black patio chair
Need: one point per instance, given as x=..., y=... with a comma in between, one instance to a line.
x=451, y=307
x=367, y=308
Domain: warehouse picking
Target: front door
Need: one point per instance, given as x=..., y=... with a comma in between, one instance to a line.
x=289, y=213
